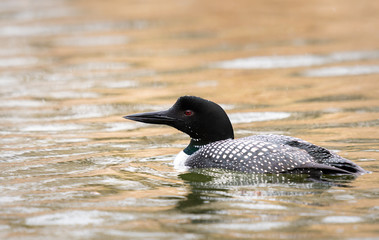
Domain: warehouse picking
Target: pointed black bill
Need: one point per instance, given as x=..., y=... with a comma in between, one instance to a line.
x=160, y=117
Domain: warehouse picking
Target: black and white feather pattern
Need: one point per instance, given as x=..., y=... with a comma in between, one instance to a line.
x=270, y=154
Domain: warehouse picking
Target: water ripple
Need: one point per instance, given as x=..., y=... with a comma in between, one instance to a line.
x=249, y=117
x=19, y=61
x=50, y=30
x=88, y=41
x=77, y=217
x=342, y=71
x=342, y=219
x=290, y=61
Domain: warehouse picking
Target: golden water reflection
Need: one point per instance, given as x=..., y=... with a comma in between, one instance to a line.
x=71, y=167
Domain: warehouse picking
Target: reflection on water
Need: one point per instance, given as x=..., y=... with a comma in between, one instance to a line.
x=219, y=179
x=248, y=117
x=84, y=41
x=221, y=193
x=48, y=30
x=77, y=218
x=14, y=62
x=71, y=167
x=342, y=71
x=268, y=62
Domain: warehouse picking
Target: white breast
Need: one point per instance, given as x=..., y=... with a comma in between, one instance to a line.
x=180, y=160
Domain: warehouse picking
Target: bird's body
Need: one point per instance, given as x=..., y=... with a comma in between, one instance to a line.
x=213, y=145
x=266, y=154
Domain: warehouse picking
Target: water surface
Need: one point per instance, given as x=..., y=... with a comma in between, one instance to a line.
x=73, y=168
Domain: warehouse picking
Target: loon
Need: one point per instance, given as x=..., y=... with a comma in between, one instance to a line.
x=213, y=145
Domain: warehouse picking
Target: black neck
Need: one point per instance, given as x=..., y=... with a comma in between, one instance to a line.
x=193, y=146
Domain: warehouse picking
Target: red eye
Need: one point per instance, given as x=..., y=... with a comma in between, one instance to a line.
x=188, y=112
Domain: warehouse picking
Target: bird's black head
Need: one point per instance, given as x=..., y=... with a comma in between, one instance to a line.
x=204, y=121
